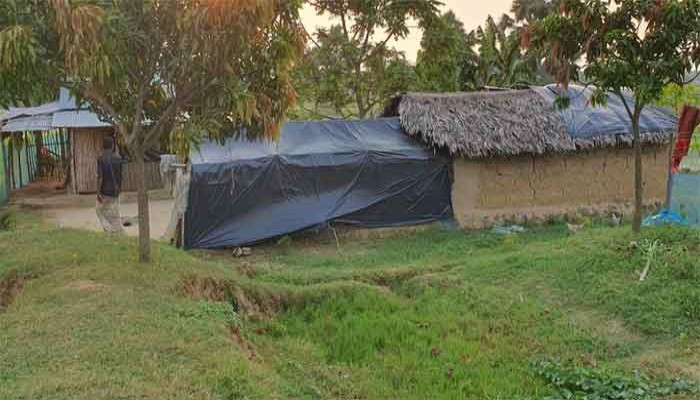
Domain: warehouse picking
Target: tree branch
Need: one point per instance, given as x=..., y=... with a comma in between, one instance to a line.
x=630, y=113
x=173, y=108
x=344, y=25
x=377, y=48
x=157, y=129
x=138, y=115
x=97, y=98
x=308, y=35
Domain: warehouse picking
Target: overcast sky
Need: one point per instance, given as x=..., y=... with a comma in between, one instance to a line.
x=472, y=13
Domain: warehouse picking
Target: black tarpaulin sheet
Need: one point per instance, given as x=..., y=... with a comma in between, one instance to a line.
x=367, y=173
x=584, y=121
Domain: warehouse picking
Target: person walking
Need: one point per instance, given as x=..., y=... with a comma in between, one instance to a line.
x=109, y=183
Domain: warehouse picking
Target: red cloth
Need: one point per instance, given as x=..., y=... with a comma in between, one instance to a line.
x=690, y=118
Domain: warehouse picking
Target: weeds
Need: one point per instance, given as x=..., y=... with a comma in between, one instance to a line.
x=7, y=221
x=650, y=249
x=585, y=383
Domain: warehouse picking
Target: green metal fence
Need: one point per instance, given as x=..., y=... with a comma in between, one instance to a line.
x=28, y=157
x=4, y=182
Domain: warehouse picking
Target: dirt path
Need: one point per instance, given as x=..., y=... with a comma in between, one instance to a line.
x=84, y=217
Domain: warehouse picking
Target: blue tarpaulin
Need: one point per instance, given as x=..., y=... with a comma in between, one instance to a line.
x=366, y=173
x=584, y=121
x=685, y=197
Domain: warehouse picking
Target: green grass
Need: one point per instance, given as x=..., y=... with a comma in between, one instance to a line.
x=434, y=314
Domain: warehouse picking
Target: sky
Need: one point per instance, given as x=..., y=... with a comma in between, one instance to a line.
x=471, y=12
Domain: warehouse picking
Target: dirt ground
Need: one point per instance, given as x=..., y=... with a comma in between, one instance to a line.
x=78, y=211
x=85, y=217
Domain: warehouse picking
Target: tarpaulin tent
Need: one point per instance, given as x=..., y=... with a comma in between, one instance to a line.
x=366, y=173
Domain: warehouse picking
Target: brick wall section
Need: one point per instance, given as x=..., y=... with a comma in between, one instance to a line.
x=486, y=191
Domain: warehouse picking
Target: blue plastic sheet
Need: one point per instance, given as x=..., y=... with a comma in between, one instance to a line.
x=366, y=173
x=664, y=217
x=685, y=197
x=583, y=121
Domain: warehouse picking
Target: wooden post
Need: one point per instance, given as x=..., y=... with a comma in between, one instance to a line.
x=74, y=181
x=30, y=170
x=38, y=144
x=142, y=205
x=63, y=140
x=19, y=166
x=6, y=163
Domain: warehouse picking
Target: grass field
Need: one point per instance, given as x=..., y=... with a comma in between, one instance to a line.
x=433, y=314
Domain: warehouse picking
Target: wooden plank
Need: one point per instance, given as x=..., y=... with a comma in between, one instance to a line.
x=73, y=180
x=87, y=146
x=153, y=178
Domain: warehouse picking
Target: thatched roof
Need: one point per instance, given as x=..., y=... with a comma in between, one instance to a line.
x=499, y=123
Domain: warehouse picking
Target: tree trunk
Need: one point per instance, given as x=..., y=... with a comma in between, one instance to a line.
x=638, y=187
x=142, y=203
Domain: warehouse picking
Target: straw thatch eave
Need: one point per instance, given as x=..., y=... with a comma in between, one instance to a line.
x=493, y=124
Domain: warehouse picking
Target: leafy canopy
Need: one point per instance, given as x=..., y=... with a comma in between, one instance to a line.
x=636, y=45
x=502, y=61
x=149, y=66
x=353, y=57
x=446, y=61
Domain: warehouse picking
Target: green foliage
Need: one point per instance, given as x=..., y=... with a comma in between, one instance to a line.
x=502, y=63
x=585, y=383
x=531, y=11
x=156, y=66
x=350, y=65
x=149, y=66
x=207, y=310
x=676, y=96
x=446, y=61
x=637, y=46
x=28, y=47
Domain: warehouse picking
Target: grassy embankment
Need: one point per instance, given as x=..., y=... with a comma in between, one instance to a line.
x=433, y=314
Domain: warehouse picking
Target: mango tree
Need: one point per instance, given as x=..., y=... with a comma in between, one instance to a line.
x=622, y=46
x=152, y=66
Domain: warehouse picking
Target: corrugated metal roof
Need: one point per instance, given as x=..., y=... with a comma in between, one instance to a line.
x=77, y=119
x=63, y=113
x=47, y=108
x=29, y=124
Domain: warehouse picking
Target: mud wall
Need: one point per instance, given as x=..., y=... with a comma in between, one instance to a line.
x=485, y=191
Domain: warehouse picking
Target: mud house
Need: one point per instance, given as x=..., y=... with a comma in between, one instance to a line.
x=517, y=156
